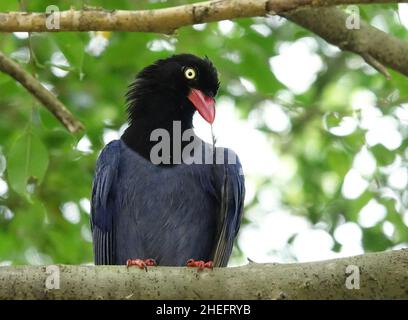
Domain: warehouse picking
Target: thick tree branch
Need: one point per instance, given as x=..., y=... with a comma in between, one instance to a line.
x=160, y=20
x=13, y=69
x=378, y=49
x=382, y=276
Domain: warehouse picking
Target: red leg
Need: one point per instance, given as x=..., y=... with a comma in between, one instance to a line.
x=201, y=265
x=142, y=264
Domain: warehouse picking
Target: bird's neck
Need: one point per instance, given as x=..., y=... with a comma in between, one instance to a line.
x=138, y=136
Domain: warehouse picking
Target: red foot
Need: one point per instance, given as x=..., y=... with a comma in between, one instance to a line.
x=199, y=264
x=142, y=264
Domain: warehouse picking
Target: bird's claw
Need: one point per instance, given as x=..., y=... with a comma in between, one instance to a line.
x=200, y=264
x=142, y=264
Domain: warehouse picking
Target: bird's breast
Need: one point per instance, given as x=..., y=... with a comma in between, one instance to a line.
x=165, y=212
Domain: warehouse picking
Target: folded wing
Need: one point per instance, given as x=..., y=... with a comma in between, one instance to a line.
x=103, y=204
x=231, y=208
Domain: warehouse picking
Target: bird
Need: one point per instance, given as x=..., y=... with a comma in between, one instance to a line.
x=172, y=213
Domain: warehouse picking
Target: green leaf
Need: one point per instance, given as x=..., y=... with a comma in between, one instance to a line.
x=4, y=78
x=383, y=156
x=27, y=162
x=331, y=120
x=72, y=46
x=374, y=240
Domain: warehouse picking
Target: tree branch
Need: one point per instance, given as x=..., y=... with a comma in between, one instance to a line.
x=13, y=69
x=382, y=276
x=376, y=47
x=160, y=20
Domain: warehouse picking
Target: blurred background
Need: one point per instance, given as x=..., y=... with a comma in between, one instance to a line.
x=322, y=137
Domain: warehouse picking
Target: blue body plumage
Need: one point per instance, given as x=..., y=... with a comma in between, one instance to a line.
x=168, y=213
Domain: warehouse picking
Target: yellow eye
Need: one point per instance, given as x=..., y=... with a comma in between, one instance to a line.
x=190, y=73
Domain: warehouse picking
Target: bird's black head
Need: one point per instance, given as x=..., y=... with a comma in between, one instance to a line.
x=173, y=89
x=169, y=90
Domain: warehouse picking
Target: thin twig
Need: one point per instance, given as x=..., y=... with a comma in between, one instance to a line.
x=376, y=65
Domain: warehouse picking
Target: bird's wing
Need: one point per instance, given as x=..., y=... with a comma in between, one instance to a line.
x=229, y=219
x=103, y=205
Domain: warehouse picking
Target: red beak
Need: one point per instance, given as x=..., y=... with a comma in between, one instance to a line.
x=204, y=104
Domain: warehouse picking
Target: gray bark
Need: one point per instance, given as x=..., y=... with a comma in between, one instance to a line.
x=381, y=276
